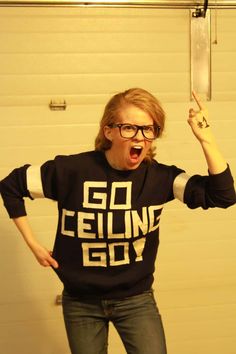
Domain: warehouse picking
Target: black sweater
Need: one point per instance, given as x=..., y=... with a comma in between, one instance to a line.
x=108, y=220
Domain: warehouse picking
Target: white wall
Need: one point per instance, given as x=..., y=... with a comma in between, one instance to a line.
x=84, y=56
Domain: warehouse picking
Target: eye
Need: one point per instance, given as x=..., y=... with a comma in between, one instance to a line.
x=129, y=128
x=148, y=128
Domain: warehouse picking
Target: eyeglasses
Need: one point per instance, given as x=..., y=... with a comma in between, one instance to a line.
x=129, y=131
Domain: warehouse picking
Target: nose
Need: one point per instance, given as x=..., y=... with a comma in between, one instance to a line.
x=139, y=135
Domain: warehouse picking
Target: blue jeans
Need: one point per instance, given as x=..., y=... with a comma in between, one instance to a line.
x=135, y=318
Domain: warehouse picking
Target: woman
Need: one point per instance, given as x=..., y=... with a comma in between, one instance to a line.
x=109, y=206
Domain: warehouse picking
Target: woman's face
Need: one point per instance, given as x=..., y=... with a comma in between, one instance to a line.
x=127, y=154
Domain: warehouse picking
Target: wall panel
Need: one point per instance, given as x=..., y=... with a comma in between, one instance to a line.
x=84, y=56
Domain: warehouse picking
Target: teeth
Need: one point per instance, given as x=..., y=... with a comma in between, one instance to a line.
x=137, y=147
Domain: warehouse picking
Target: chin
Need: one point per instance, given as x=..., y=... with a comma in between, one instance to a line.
x=134, y=165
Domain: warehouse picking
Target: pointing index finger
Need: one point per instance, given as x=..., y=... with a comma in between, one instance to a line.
x=197, y=100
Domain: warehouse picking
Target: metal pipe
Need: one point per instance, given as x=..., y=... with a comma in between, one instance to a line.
x=157, y=4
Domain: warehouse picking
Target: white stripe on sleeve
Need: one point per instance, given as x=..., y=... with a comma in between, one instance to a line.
x=179, y=185
x=34, y=182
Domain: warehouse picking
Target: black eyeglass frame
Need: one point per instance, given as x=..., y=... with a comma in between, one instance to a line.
x=138, y=127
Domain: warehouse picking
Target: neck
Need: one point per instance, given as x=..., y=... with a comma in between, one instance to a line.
x=112, y=161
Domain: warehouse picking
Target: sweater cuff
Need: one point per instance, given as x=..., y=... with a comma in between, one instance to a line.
x=16, y=210
x=221, y=180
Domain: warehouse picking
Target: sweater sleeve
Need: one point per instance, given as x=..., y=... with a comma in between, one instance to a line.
x=28, y=181
x=208, y=191
x=13, y=189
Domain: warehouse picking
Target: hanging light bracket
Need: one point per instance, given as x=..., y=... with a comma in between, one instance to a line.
x=201, y=12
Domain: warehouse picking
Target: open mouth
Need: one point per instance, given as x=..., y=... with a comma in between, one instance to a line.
x=135, y=151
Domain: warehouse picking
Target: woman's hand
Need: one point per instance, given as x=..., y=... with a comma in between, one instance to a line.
x=44, y=256
x=199, y=122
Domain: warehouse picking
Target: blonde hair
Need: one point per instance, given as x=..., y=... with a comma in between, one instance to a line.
x=139, y=98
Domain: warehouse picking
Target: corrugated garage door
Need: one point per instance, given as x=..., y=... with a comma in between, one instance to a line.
x=82, y=56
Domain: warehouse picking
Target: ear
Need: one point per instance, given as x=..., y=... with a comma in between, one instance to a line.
x=108, y=133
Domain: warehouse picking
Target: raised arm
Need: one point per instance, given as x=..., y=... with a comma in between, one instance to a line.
x=199, y=122
x=215, y=189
